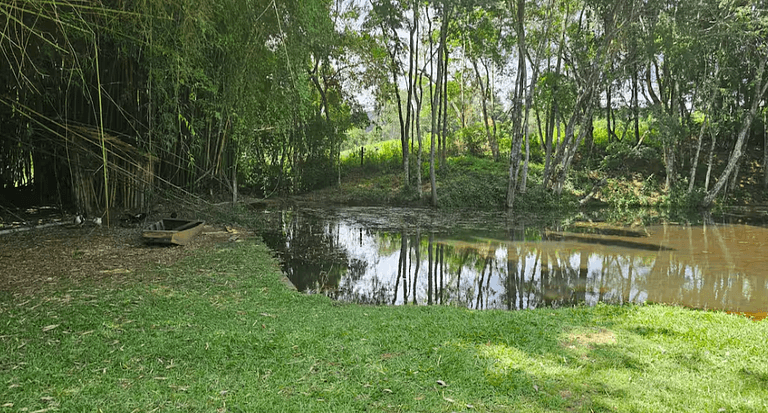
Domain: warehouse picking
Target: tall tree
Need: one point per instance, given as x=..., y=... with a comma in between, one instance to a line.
x=389, y=17
x=485, y=46
x=592, y=52
x=438, y=96
x=518, y=104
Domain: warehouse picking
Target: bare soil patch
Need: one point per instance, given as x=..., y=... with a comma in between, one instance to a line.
x=38, y=259
x=590, y=339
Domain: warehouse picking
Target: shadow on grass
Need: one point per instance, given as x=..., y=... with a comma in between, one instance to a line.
x=218, y=330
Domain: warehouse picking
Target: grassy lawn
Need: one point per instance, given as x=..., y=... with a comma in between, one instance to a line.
x=219, y=332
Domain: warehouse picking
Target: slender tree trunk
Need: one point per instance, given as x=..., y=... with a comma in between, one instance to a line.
x=554, y=109
x=462, y=115
x=411, y=83
x=418, y=97
x=550, y=132
x=636, y=103
x=435, y=126
x=483, y=99
x=735, y=175
x=669, y=162
x=710, y=160
x=542, y=138
x=760, y=90
x=609, y=112
x=695, y=163
x=733, y=182
x=570, y=146
x=524, y=176
x=528, y=104
x=492, y=142
x=704, y=124
x=436, y=131
x=765, y=147
x=234, y=183
x=403, y=129
x=492, y=87
x=401, y=117
x=517, y=121
x=590, y=135
x=444, y=134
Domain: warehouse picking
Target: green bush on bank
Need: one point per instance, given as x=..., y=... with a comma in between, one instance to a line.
x=625, y=157
x=470, y=182
x=463, y=182
x=635, y=173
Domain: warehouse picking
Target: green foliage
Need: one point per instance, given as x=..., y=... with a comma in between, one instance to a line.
x=600, y=134
x=538, y=200
x=633, y=191
x=669, y=128
x=624, y=157
x=558, y=87
x=193, y=82
x=473, y=139
x=356, y=137
x=386, y=153
x=473, y=183
x=679, y=199
x=266, y=86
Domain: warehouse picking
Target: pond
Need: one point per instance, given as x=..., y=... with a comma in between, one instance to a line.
x=495, y=261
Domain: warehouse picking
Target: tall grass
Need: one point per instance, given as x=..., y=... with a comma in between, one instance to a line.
x=386, y=156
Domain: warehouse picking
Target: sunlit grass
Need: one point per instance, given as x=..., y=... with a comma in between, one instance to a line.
x=219, y=332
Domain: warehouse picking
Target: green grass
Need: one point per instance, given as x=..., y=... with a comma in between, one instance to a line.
x=377, y=157
x=219, y=332
x=465, y=182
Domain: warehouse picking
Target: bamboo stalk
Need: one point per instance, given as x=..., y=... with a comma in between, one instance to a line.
x=101, y=132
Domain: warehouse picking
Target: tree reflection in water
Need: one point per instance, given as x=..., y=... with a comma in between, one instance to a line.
x=708, y=266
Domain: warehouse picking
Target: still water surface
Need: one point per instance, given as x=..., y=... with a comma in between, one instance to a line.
x=491, y=261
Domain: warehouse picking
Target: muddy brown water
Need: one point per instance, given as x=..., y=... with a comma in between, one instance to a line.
x=493, y=261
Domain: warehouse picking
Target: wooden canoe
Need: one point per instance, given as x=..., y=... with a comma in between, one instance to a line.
x=172, y=231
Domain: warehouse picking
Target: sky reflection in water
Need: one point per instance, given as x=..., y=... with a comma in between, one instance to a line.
x=395, y=256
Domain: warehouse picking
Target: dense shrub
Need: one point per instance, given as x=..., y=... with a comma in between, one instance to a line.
x=471, y=182
x=473, y=138
x=625, y=157
x=472, y=191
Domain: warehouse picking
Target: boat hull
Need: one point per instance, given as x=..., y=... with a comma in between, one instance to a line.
x=172, y=231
